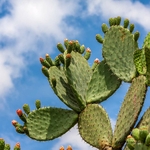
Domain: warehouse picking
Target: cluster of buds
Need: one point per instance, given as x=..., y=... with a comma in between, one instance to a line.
x=68, y=148
x=139, y=139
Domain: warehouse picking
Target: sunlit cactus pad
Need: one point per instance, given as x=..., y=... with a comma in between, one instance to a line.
x=62, y=88
x=94, y=125
x=48, y=123
x=145, y=119
x=79, y=74
x=119, y=45
x=103, y=84
x=129, y=111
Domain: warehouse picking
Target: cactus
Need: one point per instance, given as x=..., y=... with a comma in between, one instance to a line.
x=4, y=146
x=83, y=87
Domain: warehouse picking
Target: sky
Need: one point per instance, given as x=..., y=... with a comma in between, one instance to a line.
x=29, y=30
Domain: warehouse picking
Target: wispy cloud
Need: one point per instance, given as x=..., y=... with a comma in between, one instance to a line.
x=135, y=11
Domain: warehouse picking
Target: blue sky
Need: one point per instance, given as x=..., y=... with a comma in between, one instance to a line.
x=29, y=30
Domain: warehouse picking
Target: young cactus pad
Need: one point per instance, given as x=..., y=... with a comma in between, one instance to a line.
x=118, y=49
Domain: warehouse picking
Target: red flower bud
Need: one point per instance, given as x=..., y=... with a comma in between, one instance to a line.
x=88, y=50
x=41, y=59
x=17, y=145
x=14, y=122
x=61, y=148
x=19, y=112
x=97, y=61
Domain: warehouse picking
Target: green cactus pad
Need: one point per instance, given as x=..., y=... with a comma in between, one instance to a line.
x=62, y=89
x=147, y=41
x=79, y=74
x=94, y=125
x=140, y=61
x=103, y=84
x=48, y=123
x=147, y=54
x=145, y=120
x=129, y=111
x=118, y=49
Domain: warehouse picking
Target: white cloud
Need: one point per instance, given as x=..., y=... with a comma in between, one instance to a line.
x=30, y=29
x=135, y=11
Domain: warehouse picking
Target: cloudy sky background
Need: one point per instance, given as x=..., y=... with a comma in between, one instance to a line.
x=28, y=30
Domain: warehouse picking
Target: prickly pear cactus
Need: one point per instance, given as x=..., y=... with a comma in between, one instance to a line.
x=83, y=87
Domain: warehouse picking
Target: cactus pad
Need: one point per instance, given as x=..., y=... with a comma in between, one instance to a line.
x=147, y=41
x=118, y=50
x=79, y=74
x=103, y=84
x=147, y=53
x=145, y=120
x=140, y=61
x=48, y=123
x=94, y=125
x=62, y=88
x=129, y=111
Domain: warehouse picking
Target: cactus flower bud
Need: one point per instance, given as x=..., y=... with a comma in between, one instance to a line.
x=38, y=104
x=82, y=49
x=99, y=38
x=87, y=54
x=131, y=142
x=136, y=35
x=68, y=60
x=49, y=60
x=57, y=61
x=126, y=23
x=66, y=43
x=44, y=62
x=20, y=129
x=143, y=133
x=2, y=144
x=118, y=20
x=61, y=58
x=61, y=148
x=70, y=46
x=135, y=133
x=45, y=71
x=104, y=28
x=26, y=108
x=14, y=123
x=17, y=146
x=69, y=148
x=96, y=62
x=77, y=44
x=60, y=47
x=19, y=112
x=131, y=28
